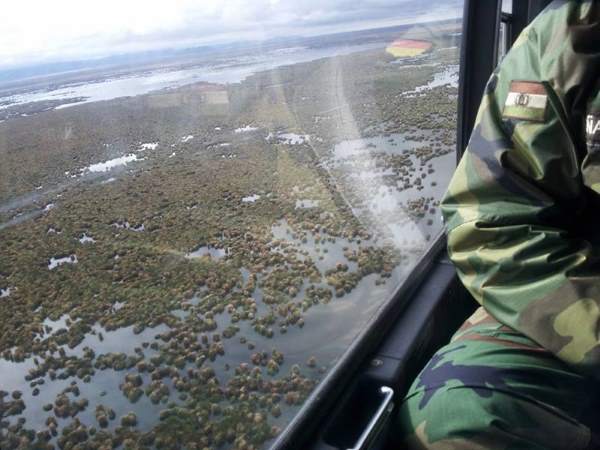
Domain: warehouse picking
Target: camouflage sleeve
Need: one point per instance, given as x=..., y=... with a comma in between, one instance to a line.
x=518, y=210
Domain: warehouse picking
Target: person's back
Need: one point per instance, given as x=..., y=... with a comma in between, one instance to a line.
x=520, y=211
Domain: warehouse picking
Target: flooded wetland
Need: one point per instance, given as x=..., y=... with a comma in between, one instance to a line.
x=180, y=268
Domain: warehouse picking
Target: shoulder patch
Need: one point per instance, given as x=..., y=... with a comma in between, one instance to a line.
x=592, y=132
x=526, y=100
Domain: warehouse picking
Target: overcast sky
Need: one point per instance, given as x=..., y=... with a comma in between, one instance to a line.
x=35, y=31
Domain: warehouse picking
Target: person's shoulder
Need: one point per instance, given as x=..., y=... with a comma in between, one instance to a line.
x=558, y=18
x=568, y=14
x=558, y=47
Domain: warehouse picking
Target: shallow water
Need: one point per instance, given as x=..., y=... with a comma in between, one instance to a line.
x=149, y=146
x=447, y=77
x=205, y=250
x=104, y=390
x=53, y=263
x=307, y=203
x=293, y=138
x=386, y=204
x=84, y=239
x=251, y=198
x=224, y=71
x=325, y=255
x=105, y=166
x=245, y=129
x=52, y=326
x=127, y=226
x=329, y=332
x=394, y=143
x=330, y=327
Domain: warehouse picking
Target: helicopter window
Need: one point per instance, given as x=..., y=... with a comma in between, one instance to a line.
x=202, y=204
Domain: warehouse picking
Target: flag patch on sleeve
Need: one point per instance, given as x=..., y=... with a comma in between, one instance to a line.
x=526, y=100
x=592, y=132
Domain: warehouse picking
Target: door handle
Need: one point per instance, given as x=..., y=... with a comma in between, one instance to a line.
x=383, y=411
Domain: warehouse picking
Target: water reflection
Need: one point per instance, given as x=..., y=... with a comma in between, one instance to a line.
x=54, y=262
x=207, y=250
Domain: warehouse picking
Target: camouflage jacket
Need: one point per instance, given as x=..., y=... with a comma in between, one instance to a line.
x=523, y=208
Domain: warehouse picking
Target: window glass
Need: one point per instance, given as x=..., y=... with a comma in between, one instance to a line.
x=202, y=204
x=504, y=29
x=503, y=40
